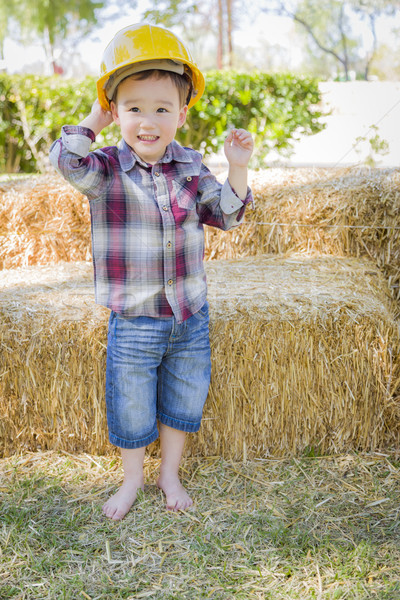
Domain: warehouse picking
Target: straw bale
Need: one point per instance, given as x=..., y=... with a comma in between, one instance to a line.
x=42, y=220
x=304, y=354
x=341, y=212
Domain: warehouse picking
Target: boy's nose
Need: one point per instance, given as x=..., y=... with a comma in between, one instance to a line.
x=146, y=122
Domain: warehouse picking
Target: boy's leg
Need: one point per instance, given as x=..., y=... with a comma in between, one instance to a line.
x=183, y=382
x=134, y=352
x=118, y=505
x=172, y=444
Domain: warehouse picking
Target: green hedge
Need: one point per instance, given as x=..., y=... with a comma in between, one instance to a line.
x=276, y=108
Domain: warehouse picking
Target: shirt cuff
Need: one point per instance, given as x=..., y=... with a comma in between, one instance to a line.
x=230, y=202
x=77, y=139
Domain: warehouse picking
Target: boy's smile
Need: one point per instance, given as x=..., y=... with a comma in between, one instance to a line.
x=148, y=112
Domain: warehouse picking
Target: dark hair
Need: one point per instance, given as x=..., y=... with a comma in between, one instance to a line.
x=183, y=83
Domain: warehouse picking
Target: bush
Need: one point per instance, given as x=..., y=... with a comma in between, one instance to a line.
x=276, y=108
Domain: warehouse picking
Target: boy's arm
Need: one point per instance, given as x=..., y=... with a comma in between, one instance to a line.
x=98, y=119
x=238, y=149
x=70, y=154
x=224, y=206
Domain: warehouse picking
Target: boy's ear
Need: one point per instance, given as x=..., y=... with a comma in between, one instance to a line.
x=114, y=112
x=182, y=115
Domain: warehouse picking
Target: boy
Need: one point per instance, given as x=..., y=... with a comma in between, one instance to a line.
x=149, y=199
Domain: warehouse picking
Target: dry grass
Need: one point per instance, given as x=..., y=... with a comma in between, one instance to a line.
x=309, y=528
x=305, y=354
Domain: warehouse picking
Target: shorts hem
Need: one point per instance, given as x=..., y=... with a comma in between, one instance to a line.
x=132, y=444
x=187, y=426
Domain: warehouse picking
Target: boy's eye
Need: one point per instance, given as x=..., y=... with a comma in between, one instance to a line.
x=134, y=109
x=162, y=110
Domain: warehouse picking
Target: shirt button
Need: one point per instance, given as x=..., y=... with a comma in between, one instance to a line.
x=157, y=174
x=170, y=282
x=169, y=245
x=165, y=207
x=188, y=178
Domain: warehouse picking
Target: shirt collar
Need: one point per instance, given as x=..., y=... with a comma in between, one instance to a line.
x=174, y=152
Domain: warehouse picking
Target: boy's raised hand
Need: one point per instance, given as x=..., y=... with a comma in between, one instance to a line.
x=98, y=119
x=238, y=147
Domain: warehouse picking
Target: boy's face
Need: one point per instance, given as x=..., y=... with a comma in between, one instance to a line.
x=148, y=112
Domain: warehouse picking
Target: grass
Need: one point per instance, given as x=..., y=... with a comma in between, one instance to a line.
x=8, y=177
x=306, y=528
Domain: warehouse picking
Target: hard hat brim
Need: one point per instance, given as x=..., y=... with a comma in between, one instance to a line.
x=103, y=92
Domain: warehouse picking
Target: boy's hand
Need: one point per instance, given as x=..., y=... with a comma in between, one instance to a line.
x=238, y=147
x=98, y=119
x=238, y=150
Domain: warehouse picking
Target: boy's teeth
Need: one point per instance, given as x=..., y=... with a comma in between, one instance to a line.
x=148, y=137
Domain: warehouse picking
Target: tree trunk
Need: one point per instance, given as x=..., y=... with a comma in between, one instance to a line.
x=345, y=60
x=229, y=32
x=49, y=51
x=220, y=49
x=374, y=47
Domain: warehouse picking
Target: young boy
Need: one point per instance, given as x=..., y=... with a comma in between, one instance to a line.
x=149, y=199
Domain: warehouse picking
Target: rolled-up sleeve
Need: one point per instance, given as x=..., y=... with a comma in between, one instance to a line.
x=70, y=155
x=219, y=206
x=232, y=204
x=77, y=140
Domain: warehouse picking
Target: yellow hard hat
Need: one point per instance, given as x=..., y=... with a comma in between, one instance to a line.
x=140, y=47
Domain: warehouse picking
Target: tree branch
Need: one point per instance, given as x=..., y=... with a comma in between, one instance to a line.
x=309, y=30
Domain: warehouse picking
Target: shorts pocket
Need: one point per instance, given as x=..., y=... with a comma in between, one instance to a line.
x=203, y=312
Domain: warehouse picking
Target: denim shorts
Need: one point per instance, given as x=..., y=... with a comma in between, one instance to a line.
x=157, y=370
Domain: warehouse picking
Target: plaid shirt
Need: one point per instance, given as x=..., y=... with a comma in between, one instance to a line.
x=147, y=222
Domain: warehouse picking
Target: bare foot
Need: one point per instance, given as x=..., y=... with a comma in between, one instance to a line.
x=119, y=505
x=176, y=495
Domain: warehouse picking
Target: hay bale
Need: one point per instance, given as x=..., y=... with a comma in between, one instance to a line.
x=52, y=360
x=305, y=354
x=43, y=220
x=304, y=351
x=341, y=212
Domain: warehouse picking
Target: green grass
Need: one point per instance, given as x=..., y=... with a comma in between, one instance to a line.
x=8, y=177
x=307, y=528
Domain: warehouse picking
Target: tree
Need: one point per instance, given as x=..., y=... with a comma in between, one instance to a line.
x=193, y=16
x=7, y=10
x=52, y=21
x=371, y=10
x=386, y=63
x=330, y=27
